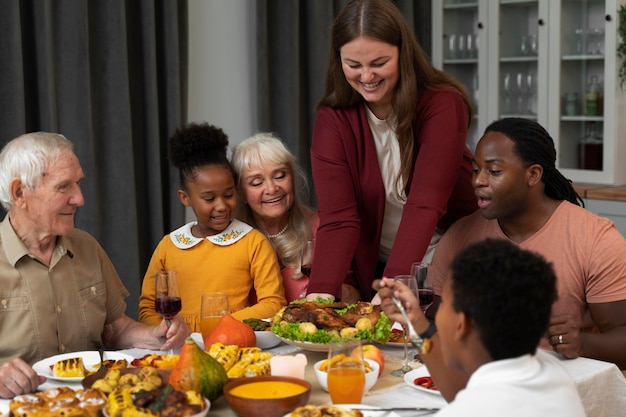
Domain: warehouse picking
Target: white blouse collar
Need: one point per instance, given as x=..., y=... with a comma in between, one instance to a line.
x=183, y=239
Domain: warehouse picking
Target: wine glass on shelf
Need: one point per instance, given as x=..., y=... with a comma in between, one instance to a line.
x=306, y=257
x=522, y=91
x=530, y=91
x=506, y=93
x=425, y=292
x=167, y=300
x=409, y=281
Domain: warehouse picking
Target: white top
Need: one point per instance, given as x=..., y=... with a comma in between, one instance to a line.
x=521, y=387
x=388, y=151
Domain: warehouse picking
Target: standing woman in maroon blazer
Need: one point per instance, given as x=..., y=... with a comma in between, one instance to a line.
x=390, y=164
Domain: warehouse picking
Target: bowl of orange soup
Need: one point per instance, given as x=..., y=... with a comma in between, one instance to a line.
x=266, y=396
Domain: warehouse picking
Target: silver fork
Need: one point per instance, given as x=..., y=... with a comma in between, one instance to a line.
x=102, y=367
x=413, y=336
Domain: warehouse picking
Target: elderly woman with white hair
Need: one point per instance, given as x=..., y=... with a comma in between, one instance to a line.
x=272, y=188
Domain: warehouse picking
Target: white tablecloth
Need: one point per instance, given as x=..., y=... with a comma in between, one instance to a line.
x=601, y=385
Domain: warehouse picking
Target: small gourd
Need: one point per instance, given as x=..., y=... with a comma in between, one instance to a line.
x=230, y=331
x=197, y=370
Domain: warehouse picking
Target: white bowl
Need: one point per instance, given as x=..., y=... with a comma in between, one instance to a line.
x=370, y=377
x=265, y=339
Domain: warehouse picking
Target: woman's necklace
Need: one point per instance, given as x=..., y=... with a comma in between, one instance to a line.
x=279, y=233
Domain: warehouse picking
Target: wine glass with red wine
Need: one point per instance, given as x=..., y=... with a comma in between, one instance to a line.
x=167, y=296
x=306, y=257
x=425, y=292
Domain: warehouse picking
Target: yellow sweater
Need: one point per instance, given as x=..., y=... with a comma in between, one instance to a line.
x=205, y=266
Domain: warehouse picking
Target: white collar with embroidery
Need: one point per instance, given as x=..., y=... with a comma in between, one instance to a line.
x=183, y=239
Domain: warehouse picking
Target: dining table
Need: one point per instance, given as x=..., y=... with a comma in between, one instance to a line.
x=601, y=385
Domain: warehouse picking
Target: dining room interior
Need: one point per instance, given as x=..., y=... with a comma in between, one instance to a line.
x=258, y=65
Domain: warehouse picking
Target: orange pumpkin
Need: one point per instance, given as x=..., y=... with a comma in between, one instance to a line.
x=230, y=331
x=197, y=370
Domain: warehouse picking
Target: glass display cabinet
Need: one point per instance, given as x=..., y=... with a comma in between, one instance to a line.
x=553, y=61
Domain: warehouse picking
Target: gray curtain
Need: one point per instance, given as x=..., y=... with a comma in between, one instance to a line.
x=293, y=41
x=111, y=76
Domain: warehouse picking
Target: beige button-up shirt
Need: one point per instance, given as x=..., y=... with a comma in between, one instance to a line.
x=62, y=308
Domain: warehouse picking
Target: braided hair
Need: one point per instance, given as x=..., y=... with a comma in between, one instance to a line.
x=533, y=145
x=198, y=145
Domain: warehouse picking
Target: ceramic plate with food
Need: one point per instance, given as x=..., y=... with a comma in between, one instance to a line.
x=346, y=410
x=314, y=347
x=420, y=379
x=204, y=412
x=90, y=358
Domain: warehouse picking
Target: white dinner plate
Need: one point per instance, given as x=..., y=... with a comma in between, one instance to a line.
x=366, y=413
x=4, y=410
x=315, y=347
x=416, y=373
x=91, y=360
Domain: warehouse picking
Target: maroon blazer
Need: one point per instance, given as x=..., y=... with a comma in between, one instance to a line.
x=351, y=196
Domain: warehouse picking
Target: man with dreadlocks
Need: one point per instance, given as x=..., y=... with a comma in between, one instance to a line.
x=524, y=199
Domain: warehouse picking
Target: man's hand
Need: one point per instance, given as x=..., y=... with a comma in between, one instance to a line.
x=314, y=295
x=17, y=377
x=387, y=289
x=172, y=337
x=564, y=335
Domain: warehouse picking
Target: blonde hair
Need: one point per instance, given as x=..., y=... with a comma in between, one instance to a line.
x=255, y=152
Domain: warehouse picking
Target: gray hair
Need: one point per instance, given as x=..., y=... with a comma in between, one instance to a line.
x=257, y=151
x=27, y=157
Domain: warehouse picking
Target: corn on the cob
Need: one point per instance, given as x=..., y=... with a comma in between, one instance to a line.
x=248, y=350
x=258, y=368
x=239, y=368
x=138, y=412
x=69, y=368
x=225, y=355
x=119, y=400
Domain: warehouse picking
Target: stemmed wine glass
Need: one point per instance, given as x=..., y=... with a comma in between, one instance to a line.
x=522, y=91
x=306, y=257
x=167, y=296
x=530, y=90
x=506, y=89
x=424, y=292
x=409, y=281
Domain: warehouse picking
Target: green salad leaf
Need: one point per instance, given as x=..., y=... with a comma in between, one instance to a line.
x=318, y=300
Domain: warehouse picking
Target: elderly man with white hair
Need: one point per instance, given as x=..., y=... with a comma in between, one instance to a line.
x=59, y=291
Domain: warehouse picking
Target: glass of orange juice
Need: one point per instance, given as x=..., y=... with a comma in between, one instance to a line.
x=346, y=371
x=212, y=307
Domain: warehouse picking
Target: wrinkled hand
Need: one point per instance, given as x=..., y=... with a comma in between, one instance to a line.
x=564, y=335
x=17, y=377
x=172, y=337
x=387, y=289
x=312, y=296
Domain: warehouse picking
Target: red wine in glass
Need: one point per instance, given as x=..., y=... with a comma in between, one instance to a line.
x=426, y=297
x=306, y=257
x=306, y=270
x=168, y=307
x=167, y=301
